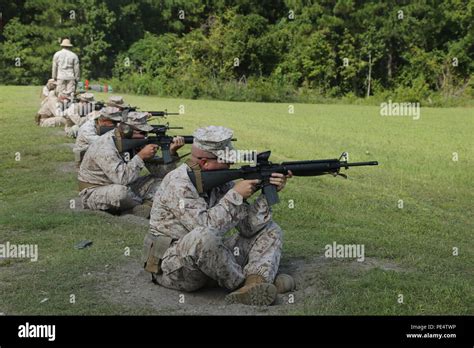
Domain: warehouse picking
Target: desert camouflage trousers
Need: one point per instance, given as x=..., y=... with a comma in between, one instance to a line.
x=66, y=86
x=55, y=121
x=202, y=255
x=117, y=198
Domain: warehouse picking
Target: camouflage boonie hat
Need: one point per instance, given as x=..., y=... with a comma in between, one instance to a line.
x=87, y=97
x=117, y=101
x=216, y=140
x=138, y=120
x=110, y=113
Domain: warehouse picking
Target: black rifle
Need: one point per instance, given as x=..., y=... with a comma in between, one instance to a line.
x=159, y=129
x=264, y=169
x=153, y=113
x=99, y=105
x=163, y=141
x=159, y=138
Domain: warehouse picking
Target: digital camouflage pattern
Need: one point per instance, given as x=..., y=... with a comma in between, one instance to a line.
x=86, y=135
x=199, y=225
x=65, y=70
x=117, y=184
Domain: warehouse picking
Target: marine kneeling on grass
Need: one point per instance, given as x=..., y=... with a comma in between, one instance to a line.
x=108, y=182
x=89, y=132
x=79, y=113
x=187, y=247
x=53, y=109
x=48, y=101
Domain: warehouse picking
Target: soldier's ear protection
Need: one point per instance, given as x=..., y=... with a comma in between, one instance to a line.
x=126, y=130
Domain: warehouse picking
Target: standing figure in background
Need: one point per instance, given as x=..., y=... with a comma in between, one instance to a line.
x=66, y=69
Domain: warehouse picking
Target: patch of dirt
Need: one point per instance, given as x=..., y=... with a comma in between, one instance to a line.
x=131, y=286
x=371, y=263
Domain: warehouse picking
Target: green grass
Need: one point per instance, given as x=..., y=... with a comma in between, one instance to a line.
x=415, y=165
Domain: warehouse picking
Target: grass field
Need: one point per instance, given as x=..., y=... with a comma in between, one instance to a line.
x=416, y=166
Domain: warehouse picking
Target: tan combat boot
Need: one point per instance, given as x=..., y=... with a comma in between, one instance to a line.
x=284, y=283
x=256, y=292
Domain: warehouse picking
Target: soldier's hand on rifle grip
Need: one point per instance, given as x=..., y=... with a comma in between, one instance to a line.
x=246, y=188
x=148, y=151
x=279, y=180
x=178, y=142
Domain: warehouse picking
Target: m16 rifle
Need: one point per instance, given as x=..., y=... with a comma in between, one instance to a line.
x=152, y=113
x=158, y=137
x=264, y=169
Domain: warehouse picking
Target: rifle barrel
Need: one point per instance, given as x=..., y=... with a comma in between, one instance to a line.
x=358, y=164
x=161, y=113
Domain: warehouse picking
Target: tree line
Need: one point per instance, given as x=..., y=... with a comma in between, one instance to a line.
x=267, y=50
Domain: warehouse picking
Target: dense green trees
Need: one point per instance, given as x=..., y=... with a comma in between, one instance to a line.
x=250, y=50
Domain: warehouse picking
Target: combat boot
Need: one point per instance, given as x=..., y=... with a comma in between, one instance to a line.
x=256, y=292
x=284, y=283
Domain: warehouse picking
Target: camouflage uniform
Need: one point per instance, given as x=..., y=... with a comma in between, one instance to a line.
x=48, y=104
x=55, y=109
x=87, y=133
x=110, y=182
x=50, y=86
x=44, y=93
x=65, y=69
x=79, y=113
x=198, y=225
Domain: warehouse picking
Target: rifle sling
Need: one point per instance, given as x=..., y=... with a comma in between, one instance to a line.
x=118, y=140
x=197, y=174
x=180, y=157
